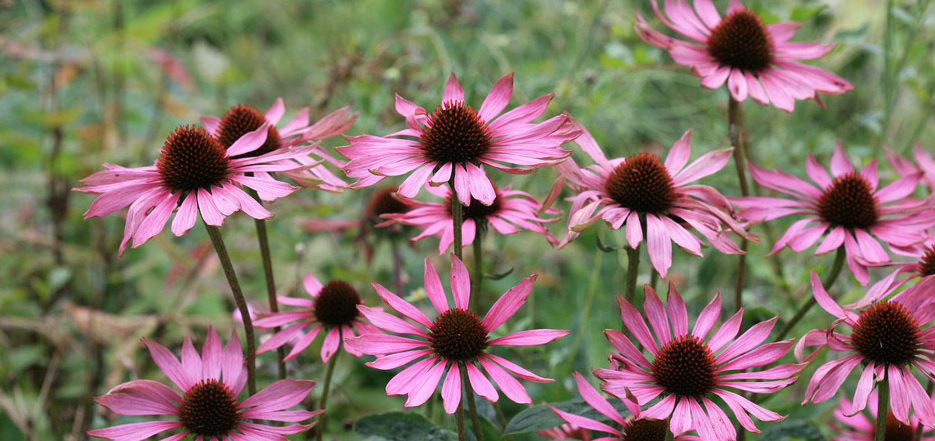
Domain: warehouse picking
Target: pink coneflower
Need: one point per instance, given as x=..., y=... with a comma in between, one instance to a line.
x=332, y=309
x=858, y=427
x=754, y=59
x=208, y=407
x=194, y=174
x=567, y=431
x=886, y=340
x=687, y=370
x=641, y=188
x=924, y=266
x=511, y=212
x=633, y=428
x=457, y=339
x=455, y=140
x=923, y=163
x=847, y=206
x=241, y=119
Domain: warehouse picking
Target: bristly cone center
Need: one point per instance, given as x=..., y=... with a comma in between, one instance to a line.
x=886, y=333
x=849, y=203
x=458, y=335
x=643, y=184
x=242, y=119
x=336, y=304
x=685, y=367
x=209, y=409
x=455, y=134
x=742, y=41
x=191, y=159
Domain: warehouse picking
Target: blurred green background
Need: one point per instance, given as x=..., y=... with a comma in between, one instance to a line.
x=93, y=81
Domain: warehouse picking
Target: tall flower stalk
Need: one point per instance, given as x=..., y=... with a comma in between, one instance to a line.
x=737, y=131
x=218, y=241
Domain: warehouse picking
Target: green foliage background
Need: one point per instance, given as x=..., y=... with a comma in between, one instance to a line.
x=79, y=87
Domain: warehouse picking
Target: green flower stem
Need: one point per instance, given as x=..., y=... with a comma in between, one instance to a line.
x=456, y=217
x=827, y=282
x=633, y=266
x=323, y=419
x=221, y=250
x=883, y=407
x=477, y=279
x=472, y=407
x=263, y=239
x=459, y=420
x=738, y=138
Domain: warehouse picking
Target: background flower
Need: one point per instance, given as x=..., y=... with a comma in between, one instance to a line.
x=625, y=192
x=687, y=370
x=848, y=206
x=511, y=212
x=858, y=427
x=208, y=406
x=754, y=59
x=455, y=140
x=457, y=339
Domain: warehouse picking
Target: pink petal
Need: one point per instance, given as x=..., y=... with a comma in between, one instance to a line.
x=497, y=99
x=280, y=395
x=508, y=304
x=451, y=389
x=434, y=289
x=460, y=283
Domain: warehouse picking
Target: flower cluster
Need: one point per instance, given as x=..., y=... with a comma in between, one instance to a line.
x=675, y=381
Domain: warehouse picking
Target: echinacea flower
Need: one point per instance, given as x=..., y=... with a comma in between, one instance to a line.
x=332, y=310
x=923, y=266
x=754, y=59
x=633, y=428
x=858, y=427
x=688, y=370
x=208, y=406
x=511, y=212
x=848, y=206
x=886, y=341
x=242, y=119
x=923, y=163
x=626, y=192
x=457, y=339
x=567, y=431
x=194, y=174
x=457, y=141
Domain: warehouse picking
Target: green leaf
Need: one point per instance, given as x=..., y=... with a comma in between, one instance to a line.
x=399, y=426
x=541, y=417
x=792, y=430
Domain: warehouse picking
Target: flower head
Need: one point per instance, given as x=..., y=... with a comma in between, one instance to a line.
x=194, y=174
x=858, y=427
x=241, y=119
x=626, y=192
x=332, y=310
x=456, y=339
x=754, y=59
x=923, y=266
x=456, y=140
x=511, y=212
x=887, y=339
x=208, y=406
x=634, y=428
x=689, y=369
x=848, y=206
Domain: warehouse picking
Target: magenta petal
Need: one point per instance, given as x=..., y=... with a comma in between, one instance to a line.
x=508, y=304
x=451, y=389
x=280, y=395
x=135, y=431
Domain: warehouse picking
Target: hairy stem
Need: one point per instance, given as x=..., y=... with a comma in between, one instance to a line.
x=633, y=266
x=323, y=419
x=221, y=250
x=263, y=239
x=397, y=266
x=456, y=218
x=472, y=407
x=736, y=127
x=459, y=420
x=827, y=282
x=477, y=279
x=883, y=407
